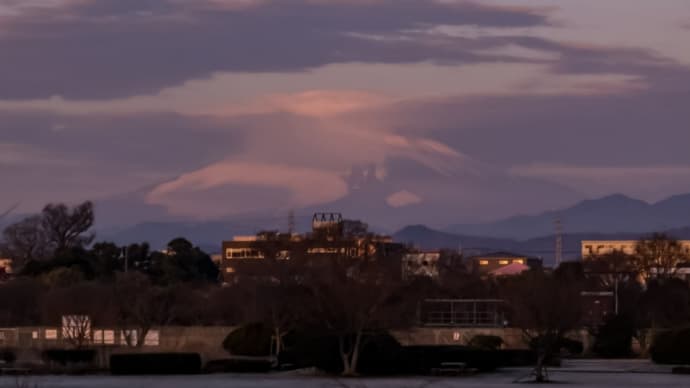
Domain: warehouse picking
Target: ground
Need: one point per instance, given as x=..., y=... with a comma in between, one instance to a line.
x=590, y=373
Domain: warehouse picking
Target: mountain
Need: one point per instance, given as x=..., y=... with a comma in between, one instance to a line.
x=411, y=192
x=423, y=237
x=612, y=214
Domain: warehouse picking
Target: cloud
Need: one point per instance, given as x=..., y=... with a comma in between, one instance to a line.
x=115, y=48
x=403, y=198
x=299, y=187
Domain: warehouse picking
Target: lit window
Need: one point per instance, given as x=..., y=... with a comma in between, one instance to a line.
x=229, y=270
x=152, y=338
x=483, y=262
x=456, y=336
x=109, y=337
x=98, y=336
x=34, y=335
x=503, y=262
x=519, y=261
x=51, y=334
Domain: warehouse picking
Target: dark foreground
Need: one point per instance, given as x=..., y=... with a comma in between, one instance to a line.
x=504, y=378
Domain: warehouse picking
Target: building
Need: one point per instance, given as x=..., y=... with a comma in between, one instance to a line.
x=331, y=236
x=5, y=267
x=421, y=264
x=502, y=263
x=594, y=248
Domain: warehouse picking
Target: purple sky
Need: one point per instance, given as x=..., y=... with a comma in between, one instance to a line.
x=219, y=107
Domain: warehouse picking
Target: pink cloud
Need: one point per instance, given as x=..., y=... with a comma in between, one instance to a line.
x=304, y=186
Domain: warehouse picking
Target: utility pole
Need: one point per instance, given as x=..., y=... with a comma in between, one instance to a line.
x=125, y=257
x=559, y=241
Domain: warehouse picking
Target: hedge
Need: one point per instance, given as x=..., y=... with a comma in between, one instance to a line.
x=69, y=356
x=155, y=364
x=671, y=347
x=7, y=356
x=613, y=339
x=383, y=355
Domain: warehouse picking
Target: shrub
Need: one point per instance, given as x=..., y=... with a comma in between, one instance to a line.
x=7, y=356
x=237, y=366
x=155, y=364
x=485, y=342
x=249, y=340
x=613, y=339
x=69, y=356
x=671, y=347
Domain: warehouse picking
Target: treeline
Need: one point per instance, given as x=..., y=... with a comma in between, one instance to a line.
x=341, y=301
x=56, y=247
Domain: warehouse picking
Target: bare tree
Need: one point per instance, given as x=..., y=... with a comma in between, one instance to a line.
x=546, y=307
x=76, y=308
x=612, y=268
x=658, y=257
x=68, y=228
x=25, y=240
x=356, y=298
x=282, y=307
x=140, y=306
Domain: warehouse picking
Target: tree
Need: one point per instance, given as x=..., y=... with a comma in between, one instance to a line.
x=282, y=307
x=19, y=300
x=546, y=307
x=77, y=308
x=659, y=256
x=183, y=262
x=25, y=241
x=355, y=299
x=105, y=259
x=141, y=305
x=68, y=228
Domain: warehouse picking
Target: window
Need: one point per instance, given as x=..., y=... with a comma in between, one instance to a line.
x=519, y=261
x=128, y=337
x=503, y=262
x=109, y=337
x=483, y=262
x=51, y=334
x=152, y=338
x=229, y=270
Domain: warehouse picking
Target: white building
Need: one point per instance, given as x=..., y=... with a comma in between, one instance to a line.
x=594, y=248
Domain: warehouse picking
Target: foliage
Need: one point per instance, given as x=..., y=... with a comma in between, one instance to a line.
x=250, y=340
x=613, y=339
x=182, y=262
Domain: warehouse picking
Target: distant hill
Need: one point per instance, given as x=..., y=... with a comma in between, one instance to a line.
x=611, y=214
x=543, y=247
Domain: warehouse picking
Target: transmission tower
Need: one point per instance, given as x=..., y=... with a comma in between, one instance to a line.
x=559, y=241
x=291, y=222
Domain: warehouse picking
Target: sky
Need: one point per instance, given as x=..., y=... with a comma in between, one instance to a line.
x=212, y=108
